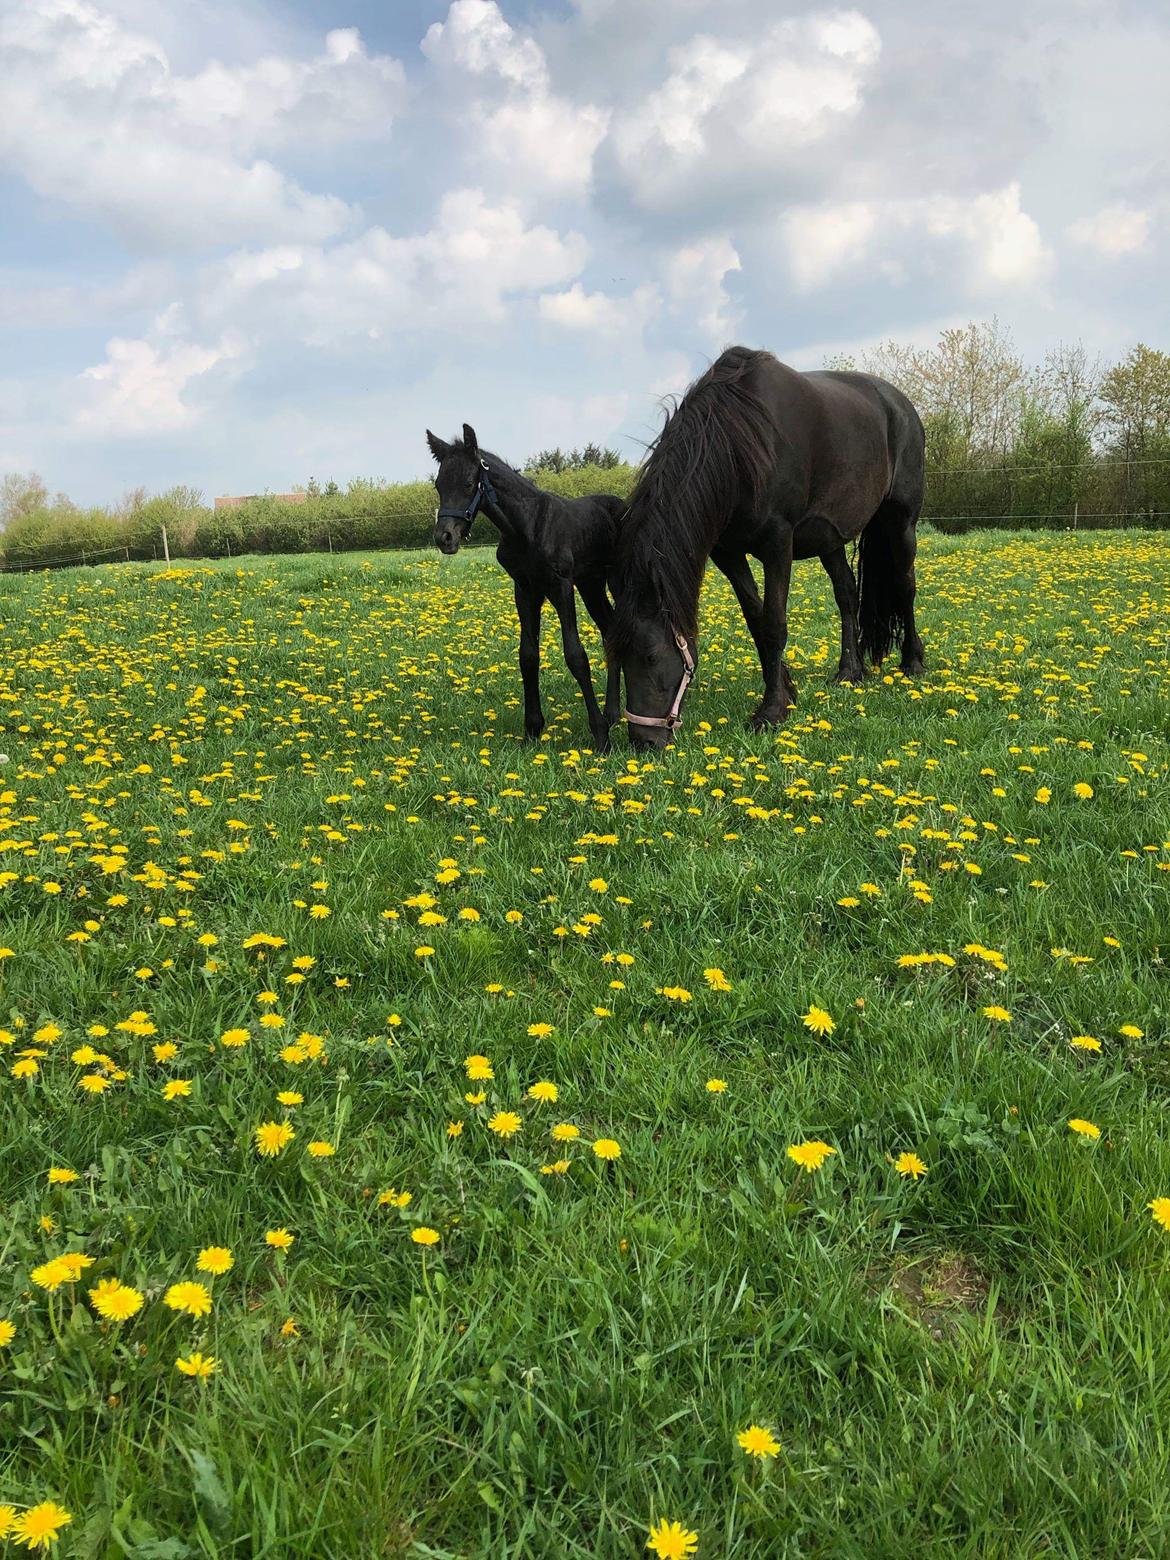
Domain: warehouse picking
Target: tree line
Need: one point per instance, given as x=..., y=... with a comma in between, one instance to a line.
x=1069, y=442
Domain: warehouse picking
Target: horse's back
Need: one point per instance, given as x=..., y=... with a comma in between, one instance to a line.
x=842, y=387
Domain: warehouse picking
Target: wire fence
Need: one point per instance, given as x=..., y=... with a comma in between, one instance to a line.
x=1070, y=496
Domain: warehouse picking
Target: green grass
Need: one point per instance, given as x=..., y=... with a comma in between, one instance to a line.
x=975, y=1364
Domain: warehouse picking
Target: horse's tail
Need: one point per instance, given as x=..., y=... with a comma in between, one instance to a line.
x=881, y=618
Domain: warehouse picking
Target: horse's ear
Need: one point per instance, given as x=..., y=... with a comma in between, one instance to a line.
x=470, y=442
x=437, y=447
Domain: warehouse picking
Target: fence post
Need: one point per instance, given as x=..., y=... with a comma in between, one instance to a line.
x=1076, y=511
x=126, y=550
x=166, y=545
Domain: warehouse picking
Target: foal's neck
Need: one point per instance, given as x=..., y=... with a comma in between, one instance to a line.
x=514, y=511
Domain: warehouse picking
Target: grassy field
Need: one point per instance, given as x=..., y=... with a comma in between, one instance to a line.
x=277, y=874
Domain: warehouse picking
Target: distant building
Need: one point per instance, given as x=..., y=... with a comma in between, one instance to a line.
x=234, y=502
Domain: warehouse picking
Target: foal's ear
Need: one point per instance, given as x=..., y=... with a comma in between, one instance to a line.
x=437, y=447
x=470, y=442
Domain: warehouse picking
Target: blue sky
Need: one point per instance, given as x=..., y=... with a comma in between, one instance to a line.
x=244, y=245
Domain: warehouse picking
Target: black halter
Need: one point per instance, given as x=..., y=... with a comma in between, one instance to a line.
x=484, y=492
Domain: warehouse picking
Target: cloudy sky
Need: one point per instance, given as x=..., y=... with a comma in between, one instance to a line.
x=245, y=244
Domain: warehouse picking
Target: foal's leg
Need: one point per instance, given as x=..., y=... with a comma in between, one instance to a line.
x=840, y=572
x=600, y=609
x=528, y=605
x=779, y=689
x=565, y=602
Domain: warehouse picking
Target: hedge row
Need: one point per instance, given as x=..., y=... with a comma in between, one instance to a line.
x=365, y=515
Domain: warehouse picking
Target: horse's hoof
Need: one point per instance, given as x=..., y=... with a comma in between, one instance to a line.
x=913, y=668
x=766, y=720
x=533, y=733
x=850, y=674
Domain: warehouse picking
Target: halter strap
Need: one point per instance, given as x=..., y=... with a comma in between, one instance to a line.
x=672, y=720
x=483, y=491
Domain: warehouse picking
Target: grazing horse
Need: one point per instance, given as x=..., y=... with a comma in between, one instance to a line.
x=548, y=545
x=758, y=458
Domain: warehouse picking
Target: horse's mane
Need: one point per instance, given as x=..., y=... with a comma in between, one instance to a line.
x=713, y=455
x=498, y=466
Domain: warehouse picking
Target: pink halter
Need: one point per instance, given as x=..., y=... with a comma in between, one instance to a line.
x=672, y=720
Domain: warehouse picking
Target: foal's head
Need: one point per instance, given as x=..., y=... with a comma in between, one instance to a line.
x=463, y=483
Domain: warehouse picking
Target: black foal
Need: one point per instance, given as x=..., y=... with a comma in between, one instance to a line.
x=548, y=545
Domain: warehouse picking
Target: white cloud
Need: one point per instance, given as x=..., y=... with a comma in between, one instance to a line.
x=1003, y=241
x=476, y=37
x=535, y=140
x=464, y=270
x=96, y=117
x=545, y=143
x=343, y=94
x=824, y=240
x=730, y=110
x=1000, y=246
x=599, y=314
x=139, y=388
x=1114, y=231
x=695, y=277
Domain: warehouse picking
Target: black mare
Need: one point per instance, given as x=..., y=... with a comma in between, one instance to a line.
x=548, y=545
x=760, y=459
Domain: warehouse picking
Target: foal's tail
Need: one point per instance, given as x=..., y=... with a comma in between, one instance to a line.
x=879, y=579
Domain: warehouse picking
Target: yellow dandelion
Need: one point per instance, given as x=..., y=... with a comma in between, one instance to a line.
x=818, y=1020
x=811, y=1154
x=115, y=1301
x=672, y=1541
x=194, y=1299
x=198, y=1365
x=758, y=1442
x=273, y=1137
x=216, y=1260
x=40, y=1525
x=1084, y=1128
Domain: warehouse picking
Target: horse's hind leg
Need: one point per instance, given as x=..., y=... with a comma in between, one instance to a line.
x=600, y=609
x=904, y=547
x=578, y=662
x=837, y=566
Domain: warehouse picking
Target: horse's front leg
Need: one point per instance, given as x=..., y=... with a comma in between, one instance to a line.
x=565, y=603
x=528, y=604
x=733, y=563
x=779, y=689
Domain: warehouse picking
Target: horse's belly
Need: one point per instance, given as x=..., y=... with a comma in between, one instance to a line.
x=815, y=535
